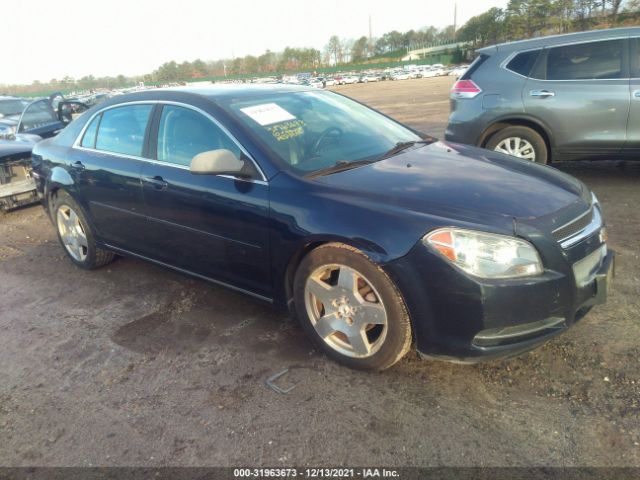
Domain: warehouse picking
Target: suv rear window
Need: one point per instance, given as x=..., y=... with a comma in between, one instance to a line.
x=474, y=66
x=585, y=61
x=523, y=62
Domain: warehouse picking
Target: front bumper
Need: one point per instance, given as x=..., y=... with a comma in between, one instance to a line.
x=17, y=194
x=460, y=318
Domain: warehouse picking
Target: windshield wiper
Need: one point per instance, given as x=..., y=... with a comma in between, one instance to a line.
x=339, y=166
x=400, y=146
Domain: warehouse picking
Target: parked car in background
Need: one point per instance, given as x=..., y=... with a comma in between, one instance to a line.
x=574, y=96
x=17, y=186
x=314, y=82
x=17, y=138
x=458, y=71
x=349, y=79
x=43, y=117
x=370, y=77
x=400, y=75
x=429, y=72
x=11, y=109
x=283, y=193
x=329, y=81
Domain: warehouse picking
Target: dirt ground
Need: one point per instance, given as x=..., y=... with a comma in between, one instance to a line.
x=136, y=365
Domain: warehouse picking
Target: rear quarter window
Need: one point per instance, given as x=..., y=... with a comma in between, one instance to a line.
x=474, y=66
x=523, y=62
x=89, y=138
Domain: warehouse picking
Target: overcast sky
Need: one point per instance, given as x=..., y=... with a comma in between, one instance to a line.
x=44, y=39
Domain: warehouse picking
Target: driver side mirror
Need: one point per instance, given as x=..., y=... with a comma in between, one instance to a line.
x=218, y=162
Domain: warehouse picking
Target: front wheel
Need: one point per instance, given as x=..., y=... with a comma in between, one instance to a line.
x=351, y=308
x=521, y=142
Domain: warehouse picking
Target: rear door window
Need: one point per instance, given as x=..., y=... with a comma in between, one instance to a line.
x=586, y=61
x=122, y=129
x=523, y=62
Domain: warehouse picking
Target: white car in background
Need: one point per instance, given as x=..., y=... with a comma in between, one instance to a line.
x=349, y=79
x=429, y=72
x=400, y=76
x=458, y=71
x=370, y=77
x=329, y=81
x=315, y=82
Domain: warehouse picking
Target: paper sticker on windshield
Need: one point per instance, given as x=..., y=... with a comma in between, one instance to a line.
x=267, y=113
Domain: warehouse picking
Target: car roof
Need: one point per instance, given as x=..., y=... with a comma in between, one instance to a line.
x=211, y=92
x=8, y=97
x=219, y=90
x=539, y=42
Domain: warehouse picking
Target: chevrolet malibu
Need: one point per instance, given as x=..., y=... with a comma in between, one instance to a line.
x=376, y=236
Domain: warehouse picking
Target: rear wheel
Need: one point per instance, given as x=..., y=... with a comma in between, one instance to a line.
x=75, y=234
x=351, y=308
x=521, y=142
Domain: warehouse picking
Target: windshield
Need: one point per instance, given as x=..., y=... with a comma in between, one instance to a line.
x=12, y=107
x=310, y=131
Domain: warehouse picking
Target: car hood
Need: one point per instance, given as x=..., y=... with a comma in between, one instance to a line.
x=446, y=178
x=11, y=150
x=9, y=121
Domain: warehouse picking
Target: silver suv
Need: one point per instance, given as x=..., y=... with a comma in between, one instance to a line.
x=563, y=97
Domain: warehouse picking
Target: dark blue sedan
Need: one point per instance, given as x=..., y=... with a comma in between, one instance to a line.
x=374, y=235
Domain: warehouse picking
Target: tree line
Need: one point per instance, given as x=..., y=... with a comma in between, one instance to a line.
x=528, y=18
x=519, y=19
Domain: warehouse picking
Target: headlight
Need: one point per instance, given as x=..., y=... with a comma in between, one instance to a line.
x=486, y=255
x=8, y=133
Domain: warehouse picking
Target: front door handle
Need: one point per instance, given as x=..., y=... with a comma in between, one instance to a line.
x=77, y=165
x=542, y=93
x=636, y=94
x=157, y=182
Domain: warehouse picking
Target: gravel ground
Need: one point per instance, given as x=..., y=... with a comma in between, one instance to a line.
x=136, y=365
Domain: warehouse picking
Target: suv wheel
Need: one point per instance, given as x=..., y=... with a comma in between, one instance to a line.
x=351, y=308
x=521, y=142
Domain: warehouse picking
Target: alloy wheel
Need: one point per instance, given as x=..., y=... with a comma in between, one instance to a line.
x=73, y=235
x=346, y=310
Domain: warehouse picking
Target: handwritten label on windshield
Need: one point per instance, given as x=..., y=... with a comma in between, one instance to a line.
x=287, y=130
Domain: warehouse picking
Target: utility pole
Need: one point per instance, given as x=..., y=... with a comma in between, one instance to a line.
x=455, y=18
x=370, y=37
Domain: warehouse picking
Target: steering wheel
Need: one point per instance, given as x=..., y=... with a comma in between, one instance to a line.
x=331, y=131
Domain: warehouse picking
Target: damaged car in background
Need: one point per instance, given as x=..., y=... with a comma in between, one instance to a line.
x=22, y=125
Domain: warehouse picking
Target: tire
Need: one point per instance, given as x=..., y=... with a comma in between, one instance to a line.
x=507, y=141
x=351, y=308
x=75, y=234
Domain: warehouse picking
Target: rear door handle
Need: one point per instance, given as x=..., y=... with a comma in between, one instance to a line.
x=542, y=93
x=636, y=94
x=157, y=182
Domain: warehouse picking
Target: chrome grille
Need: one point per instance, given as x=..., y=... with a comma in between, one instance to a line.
x=573, y=227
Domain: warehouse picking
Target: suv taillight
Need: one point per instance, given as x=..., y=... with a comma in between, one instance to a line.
x=465, y=89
